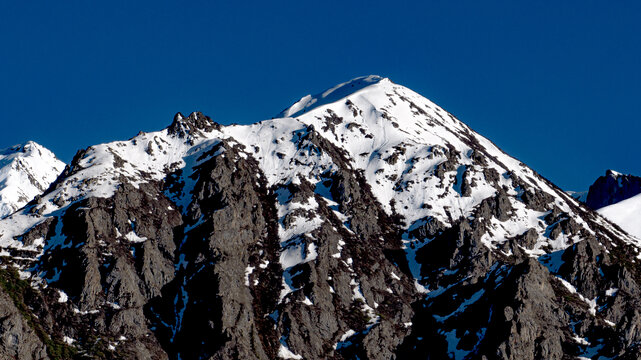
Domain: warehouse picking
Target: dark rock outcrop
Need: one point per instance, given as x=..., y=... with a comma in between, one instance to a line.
x=612, y=188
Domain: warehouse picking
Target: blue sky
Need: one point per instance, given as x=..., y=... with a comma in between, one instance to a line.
x=555, y=84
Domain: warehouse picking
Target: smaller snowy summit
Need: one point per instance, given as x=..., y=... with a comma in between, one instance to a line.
x=612, y=188
x=26, y=170
x=617, y=196
x=625, y=213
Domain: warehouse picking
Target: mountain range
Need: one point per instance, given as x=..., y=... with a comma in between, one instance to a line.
x=361, y=222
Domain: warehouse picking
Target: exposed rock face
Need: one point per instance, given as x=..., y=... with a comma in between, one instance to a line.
x=17, y=339
x=110, y=257
x=191, y=126
x=230, y=225
x=374, y=225
x=612, y=188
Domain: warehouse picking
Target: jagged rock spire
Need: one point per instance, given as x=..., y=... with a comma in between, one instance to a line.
x=193, y=125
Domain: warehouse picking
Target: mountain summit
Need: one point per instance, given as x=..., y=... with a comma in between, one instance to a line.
x=331, y=95
x=26, y=170
x=364, y=222
x=617, y=197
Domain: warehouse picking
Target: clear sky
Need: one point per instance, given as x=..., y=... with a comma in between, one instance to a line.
x=556, y=84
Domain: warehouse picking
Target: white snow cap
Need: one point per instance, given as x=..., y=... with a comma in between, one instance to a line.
x=625, y=214
x=331, y=95
x=26, y=170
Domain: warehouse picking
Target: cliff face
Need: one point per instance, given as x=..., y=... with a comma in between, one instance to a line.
x=373, y=224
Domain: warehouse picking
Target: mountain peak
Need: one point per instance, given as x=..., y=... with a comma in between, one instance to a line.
x=331, y=95
x=25, y=171
x=194, y=124
x=612, y=173
x=21, y=148
x=612, y=188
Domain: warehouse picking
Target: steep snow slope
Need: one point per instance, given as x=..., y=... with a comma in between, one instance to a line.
x=329, y=96
x=419, y=159
x=26, y=170
x=626, y=214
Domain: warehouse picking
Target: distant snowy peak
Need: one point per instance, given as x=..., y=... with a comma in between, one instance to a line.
x=578, y=195
x=617, y=197
x=625, y=214
x=26, y=170
x=612, y=188
x=331, y=95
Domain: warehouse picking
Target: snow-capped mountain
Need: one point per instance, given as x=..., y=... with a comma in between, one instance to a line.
x=626, y=214
x=364, y=221
x=617, y=197
x=26, y=170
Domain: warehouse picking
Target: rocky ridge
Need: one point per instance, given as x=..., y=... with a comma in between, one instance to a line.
x=612, y=188
x=372, y=224
x=617, y=197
